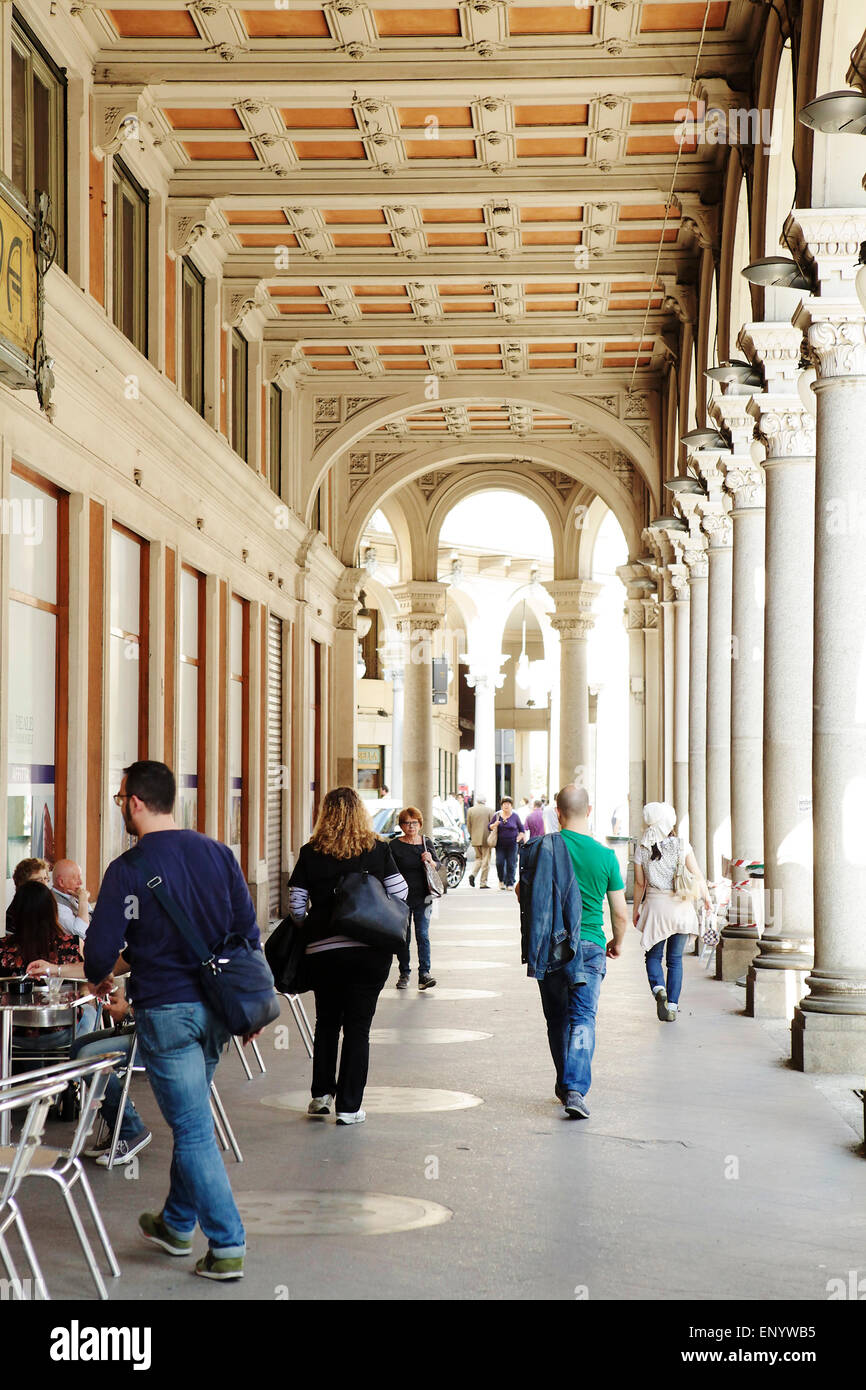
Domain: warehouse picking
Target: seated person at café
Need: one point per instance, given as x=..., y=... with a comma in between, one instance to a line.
x=73, y=899
x=134, y=1134
x=26, y=871
x=40, y=947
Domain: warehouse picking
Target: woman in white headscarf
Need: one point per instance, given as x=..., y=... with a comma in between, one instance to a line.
x=665, y=919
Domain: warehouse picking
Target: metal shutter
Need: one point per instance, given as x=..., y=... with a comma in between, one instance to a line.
x=275, y=777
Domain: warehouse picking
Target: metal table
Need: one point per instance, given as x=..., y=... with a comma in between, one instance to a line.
x=35, y=1010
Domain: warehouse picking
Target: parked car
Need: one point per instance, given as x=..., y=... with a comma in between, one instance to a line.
x=446, y=836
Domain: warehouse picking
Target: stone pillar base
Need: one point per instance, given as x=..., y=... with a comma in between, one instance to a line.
x=828, y=1042
x=734, y=955
x=774, y=993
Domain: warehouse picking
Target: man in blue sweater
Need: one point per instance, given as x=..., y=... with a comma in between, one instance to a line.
x=179, y=1036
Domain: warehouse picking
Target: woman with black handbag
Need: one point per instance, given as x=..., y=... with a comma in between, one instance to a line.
x=414, y=857
x=346, y=974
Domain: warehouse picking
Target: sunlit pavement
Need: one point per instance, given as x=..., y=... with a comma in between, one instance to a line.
x=708, y=1168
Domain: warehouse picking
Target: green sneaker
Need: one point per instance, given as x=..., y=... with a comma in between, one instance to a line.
x=154, y=1230
x=212, y=1266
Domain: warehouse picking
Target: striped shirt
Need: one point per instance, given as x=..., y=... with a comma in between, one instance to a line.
x=314, y=879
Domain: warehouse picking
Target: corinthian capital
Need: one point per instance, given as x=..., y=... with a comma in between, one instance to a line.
x=745, y=481
x=717, y=525
x=695, y=556
x=574, y=599
x=784, y=426
x=837, y=339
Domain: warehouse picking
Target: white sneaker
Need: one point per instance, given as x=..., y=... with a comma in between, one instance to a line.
x=320, y=1105
x=126, y=1150
x=357, y=1118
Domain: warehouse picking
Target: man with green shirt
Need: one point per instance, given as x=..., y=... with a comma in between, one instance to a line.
x=570, y=1009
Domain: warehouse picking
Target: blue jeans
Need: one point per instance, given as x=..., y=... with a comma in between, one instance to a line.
x=506, y=864
x=675, y=946
x=88, y=1049
x=570, y=1011
x=180, y=1046
x=420, y=915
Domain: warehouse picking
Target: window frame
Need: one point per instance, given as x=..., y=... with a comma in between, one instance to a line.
x=123, y=183
x=275, y=438
x=36, y=57
x=239, y=350
x=191, y=272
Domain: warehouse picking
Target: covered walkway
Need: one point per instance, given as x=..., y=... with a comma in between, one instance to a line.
x=708, y=1169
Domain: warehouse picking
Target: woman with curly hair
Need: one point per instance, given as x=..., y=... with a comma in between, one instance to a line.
x=347, y=976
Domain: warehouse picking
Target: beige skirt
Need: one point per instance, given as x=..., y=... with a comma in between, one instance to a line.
x=663, y=915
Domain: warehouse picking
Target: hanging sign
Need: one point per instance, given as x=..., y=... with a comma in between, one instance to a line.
x=27, y=245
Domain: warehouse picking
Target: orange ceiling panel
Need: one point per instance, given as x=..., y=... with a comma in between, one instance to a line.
x=396, y=290
x=646, y=212
x=303, y=309
x=213, y=118
x=267, y=239
x=642, y=346
x=566, y=287
x=452, y=215
x=635, y=236
x=337, y=216
x=270, y=216
x=285, y=24
x=454, y=117
x=557, y=148
x=329, y=149
x=659, y=144
x=468, y=306
x=553, y=347
x=483, y=364
x=551, y=364
x=550, y=19
x=362, y=239
x=456, y=239
x=483, y=348
x=440, y=149
x=553, y=306
x=626, y=362
x=656, y=112
x=334, y=365
x=296, y=291
x=398, y=306
x=550, y=238
x=550, y=115
x=154, y=24
x=674, y=17
x=551, y=214
x=326, y=350
x=615, y=304
x=401, y=24
x=319, y=117
x=401, y=350
x=407, y=364
x=219, y=149
x=447, y=290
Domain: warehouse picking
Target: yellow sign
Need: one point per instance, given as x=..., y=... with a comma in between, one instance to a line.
x=18, y=321
x=369, y=755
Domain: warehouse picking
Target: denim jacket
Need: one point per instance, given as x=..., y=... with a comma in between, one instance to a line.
x=550, y=909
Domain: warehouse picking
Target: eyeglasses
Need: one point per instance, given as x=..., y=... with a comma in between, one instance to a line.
x=410, y=822
x=120, y=798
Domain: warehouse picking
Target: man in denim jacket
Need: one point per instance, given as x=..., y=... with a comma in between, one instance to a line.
x=563, y=940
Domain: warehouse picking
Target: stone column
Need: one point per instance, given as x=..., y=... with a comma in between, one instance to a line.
x=346, y=678
x=829, y=1028
x=679, y=579
x=776, y=980
x=395, y=676
x=421, y=608
x=717, y=525
x=696, y=560
x=485, y=680
x=652, y=727
x=573, y=621
x=633, y=576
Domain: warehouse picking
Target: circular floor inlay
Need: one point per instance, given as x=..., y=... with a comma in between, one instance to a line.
x=335, y=1213
x=440, y=992
x=387, y=1100
x=426, y=1035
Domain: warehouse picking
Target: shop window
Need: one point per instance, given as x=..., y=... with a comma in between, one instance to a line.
x=240, y=390
x=192, y=336
x=127, y=666
x=39, y=128
x=129, y=211
x=238, y=730
x=190, y=778
x=35, y=529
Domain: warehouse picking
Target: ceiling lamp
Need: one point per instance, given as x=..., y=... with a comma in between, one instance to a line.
x=668, y=523
x=836, y=113
x=688, y=485
x=779, y=271
x=741, y=373
x=705, y=439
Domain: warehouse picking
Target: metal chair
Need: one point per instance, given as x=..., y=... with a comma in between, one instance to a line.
x=63, y=1166
x=239, y=1049
x=299, y=1014
x=224, y=1132
x=38, y=1099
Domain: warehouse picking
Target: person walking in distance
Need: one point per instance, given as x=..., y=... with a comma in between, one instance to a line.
x=509, y=834
x=180, y=1038
x=478, y=823
x=411, y=852
x=535, y=820
x=666, y=921
x=571, y=1009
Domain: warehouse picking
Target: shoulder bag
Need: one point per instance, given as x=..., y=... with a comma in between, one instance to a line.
x=285, y=951
x=685, y=885
x=436, y=884
x=234, y=977
x=365, y=912
x=493, y=834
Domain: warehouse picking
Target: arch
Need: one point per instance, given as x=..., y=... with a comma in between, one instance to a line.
x=588, y=536
x=404, y=469
x=413, y=400
x=464, y=485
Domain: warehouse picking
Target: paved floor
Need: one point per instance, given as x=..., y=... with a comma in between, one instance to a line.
x=708, y=1169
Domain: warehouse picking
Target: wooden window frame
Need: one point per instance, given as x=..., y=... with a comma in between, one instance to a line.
x=53, y=76
x=60, y=610
x=192, y=273
x=243, y=677
x=239, y=352
x=125, y=185
x=142, y=636
x=199, y=661
x=275, y=438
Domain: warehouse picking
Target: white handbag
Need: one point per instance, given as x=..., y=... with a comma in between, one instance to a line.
x=686, y=885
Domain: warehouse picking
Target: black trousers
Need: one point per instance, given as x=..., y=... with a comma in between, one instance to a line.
x=347, y=983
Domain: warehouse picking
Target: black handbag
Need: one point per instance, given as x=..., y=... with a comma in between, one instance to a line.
x=363, y=910
x=235, y=978
x=285, y=950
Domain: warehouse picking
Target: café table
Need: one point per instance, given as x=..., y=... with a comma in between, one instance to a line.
x=39, y=1009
